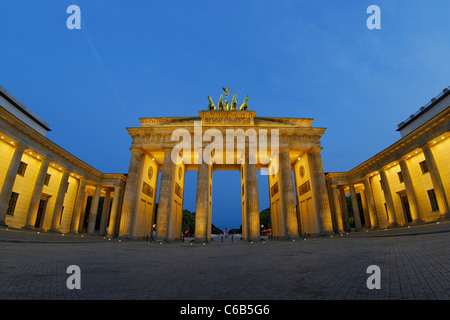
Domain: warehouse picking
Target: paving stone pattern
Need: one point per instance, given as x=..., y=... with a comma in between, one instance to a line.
x=414, y=262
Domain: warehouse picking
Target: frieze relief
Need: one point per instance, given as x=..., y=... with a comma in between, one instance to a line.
x=158, y=139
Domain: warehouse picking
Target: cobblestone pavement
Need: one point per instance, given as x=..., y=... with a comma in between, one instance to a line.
x=414, y=262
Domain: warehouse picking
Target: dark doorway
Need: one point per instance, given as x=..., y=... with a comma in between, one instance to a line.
x=406, y=209
x=40, y=214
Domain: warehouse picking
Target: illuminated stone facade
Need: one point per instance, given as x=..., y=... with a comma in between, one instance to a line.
x=44, y=187
x=299, y=146
x=407, y=183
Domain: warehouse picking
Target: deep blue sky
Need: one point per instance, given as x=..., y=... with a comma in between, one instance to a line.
x=313, y=59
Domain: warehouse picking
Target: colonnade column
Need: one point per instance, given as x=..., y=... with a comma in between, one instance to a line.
x=93, y=211
x=165, y=201
x=57, y=211
x=105, y=213
x=83, y=212
x=437, y=183
x=337, y=208
x=344, y=205
x=355, y=207
x=36, y=196
x=131, y=190
x=320, y=190
x=252, y=197
x=388, y=198
x=365, y=208
x=202, y=222
x=78, y=207
x=114, y=211
x=370, y=203
x=288, y=195
x=412, y=200
x=8, y=184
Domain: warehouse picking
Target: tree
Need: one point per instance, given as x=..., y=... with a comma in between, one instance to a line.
x=188, y=223
x=264, y=218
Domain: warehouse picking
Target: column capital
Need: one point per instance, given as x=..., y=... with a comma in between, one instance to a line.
x=19, y=146
x=402, y=159
x=62, y=169
x=425, y=144
x=316, y=149
x=81, y=178
x=137, y=151
x=43, y=158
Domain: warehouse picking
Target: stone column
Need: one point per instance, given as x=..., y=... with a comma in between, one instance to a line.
x=410, y=193
x=365, y=208
x=388, y=198
x=105, y=213
x=252, y=199
x=437, y=183
x=345, y=217
x=114, y=211
x=130, y=194
x=370, y=203
x=166, y=191
x=202, y=203
x=78, y=206
x=288, y=195
x=209, y=229
x=36, y=196
x=319, y=185
x=355, y=207
x=337, y=208
x=93, y=211
x=243, y=193
x=8, y=184
x=83, y=212
x=57, y=211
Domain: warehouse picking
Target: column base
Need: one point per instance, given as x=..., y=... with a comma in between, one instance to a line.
x=200, y=240
x=284, y=238
x=444, y=216
x=54, y=230
x=416, y=222
x=32, y=228
x=394, y=225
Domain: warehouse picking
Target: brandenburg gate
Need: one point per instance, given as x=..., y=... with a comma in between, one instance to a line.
x=226, y=137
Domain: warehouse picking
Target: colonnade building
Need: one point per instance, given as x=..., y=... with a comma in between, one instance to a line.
x=406, y=183
x=44, y=187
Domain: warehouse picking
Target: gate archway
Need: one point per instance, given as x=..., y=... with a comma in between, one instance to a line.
x=299, y=202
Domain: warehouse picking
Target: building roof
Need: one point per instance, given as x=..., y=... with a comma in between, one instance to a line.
x=424, y=109
x=24, y=110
